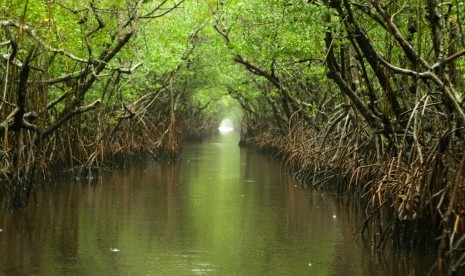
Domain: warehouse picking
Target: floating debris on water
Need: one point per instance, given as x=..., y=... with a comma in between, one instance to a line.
x=114, y=249
x=334, y=216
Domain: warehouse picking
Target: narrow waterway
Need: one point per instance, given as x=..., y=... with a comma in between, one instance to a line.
x=218, y=210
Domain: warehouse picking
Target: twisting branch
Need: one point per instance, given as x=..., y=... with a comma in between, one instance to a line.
x=449, y=59
x=65, y=77
x=257, y=71
x=437, y=28
x=413, y=56
x=16, y=120
x=168, y=10
x=30, y=31
x=8, y=42
x=128, y=70
x=448, y=91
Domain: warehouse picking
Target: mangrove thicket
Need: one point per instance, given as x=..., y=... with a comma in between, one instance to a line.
x=364, y=97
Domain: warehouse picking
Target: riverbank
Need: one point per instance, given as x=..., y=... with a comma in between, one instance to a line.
x=402, y=207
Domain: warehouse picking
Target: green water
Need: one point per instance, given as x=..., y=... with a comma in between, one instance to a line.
x=218, y=210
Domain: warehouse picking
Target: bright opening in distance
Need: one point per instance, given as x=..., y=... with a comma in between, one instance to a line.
x=226, y=126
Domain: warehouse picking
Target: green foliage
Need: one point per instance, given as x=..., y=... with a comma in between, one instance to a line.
x=286, y=31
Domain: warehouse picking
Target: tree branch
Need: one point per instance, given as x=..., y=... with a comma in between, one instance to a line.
x=128, y=70
x=448, y=91
x=30, y=31
x=168, y=10
x=392, y=28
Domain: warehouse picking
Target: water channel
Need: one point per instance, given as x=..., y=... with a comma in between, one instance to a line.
x=218, y=210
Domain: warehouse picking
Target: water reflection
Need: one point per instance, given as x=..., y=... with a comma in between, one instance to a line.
x=218, y=210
